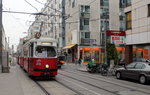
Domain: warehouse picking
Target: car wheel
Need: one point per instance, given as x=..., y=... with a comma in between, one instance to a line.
x=142, y=79
x=118, y=75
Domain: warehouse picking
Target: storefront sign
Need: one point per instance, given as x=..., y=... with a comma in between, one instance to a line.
x=117, y=39
x=115, y=33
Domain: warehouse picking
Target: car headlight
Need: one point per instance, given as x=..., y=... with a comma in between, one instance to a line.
x=46, y=66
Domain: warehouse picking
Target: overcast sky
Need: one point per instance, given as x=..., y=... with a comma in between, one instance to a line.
x=16, y=24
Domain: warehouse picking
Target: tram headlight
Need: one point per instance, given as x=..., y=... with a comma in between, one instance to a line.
x=46, y=66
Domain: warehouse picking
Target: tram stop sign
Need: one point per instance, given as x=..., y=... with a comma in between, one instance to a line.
x=37, y=35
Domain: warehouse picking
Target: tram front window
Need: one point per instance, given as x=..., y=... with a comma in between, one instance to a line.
x=43, y=51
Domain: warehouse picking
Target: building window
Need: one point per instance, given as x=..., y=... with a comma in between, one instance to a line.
x=128, y=20
x=148, y=10
x=104, y=13
x=104, y=2
x=122, y=3
x=84, y=24
x=73, y=4
x=85, y=9
x=128, y=3
x=85, y=35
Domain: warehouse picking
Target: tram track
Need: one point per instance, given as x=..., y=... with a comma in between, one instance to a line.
x=42, y=88
x=46, y=92
x=106, y=81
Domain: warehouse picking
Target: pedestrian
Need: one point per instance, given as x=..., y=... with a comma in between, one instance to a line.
x=79, y=61
x=75, y=60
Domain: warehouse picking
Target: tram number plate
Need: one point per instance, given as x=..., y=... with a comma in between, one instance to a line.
x=46, y=73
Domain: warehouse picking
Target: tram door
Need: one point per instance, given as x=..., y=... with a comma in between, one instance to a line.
x=31, y=54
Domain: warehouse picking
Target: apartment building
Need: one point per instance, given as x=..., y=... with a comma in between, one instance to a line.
x=137, y=29
x=87, y=24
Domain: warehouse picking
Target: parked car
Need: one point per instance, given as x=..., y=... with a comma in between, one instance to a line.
x=135, y=70
x=141, y=60
x=61, y=61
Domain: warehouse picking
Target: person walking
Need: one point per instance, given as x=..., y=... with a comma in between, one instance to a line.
x=75, y=60
x=79, y=61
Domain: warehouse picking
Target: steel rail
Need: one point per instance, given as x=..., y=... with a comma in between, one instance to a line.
x=114, y=92
x=42, y=88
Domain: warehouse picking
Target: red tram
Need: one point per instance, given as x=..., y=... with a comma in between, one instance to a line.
x=38, y=57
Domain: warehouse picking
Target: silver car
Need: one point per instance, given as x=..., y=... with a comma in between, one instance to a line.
x=135, y=70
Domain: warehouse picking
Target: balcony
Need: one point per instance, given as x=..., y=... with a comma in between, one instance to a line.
x=87, y=41
x=85, y=27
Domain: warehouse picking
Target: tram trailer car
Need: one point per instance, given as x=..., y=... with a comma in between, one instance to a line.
x=39, y=57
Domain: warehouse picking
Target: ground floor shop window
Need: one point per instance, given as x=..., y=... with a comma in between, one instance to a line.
x=87, y=56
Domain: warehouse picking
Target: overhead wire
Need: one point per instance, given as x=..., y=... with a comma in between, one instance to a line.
x=48, y=5
x=31, y=5
x=16, y=19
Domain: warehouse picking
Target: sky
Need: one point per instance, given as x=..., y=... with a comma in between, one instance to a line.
x=16, y=25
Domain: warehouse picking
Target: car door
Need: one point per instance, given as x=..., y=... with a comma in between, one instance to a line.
x=129, y=71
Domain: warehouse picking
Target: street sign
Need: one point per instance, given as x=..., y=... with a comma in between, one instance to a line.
x=37, y=35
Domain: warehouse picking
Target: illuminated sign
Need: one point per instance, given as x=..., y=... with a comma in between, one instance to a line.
x=117, y=39
x=46, y=43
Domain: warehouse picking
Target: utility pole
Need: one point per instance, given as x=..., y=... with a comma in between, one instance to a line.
x=1, y=31
x=105, y=30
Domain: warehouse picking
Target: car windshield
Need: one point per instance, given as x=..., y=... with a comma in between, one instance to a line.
x=45, y=51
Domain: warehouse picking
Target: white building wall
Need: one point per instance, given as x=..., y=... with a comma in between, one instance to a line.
x=74, y=20
x=114, y=14
x=140, y=33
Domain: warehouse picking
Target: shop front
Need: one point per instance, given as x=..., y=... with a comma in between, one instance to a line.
x=89, y=53
x=140, y=53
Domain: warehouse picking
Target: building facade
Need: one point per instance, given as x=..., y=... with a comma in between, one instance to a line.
x=137, y=29
x=87, y=25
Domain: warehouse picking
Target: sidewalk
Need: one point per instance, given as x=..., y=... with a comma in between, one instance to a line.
x=82, y=68
x=17, y=82
x=9, y=83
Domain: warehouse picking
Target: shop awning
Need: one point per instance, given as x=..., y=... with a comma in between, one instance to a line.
x=69, y=46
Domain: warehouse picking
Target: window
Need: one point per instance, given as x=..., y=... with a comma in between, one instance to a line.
x=73, y=4
x=148, y=10
x=122, y=3
x=128, y=3
x=85, y=9
x=84, y=24
x=104, y=2
x=131, y=66
x=45, y=51
x=139, y=66
x=128, y=20
x=85, y=34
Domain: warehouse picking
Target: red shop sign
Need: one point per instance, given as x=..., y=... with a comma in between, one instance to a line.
x=116, y=33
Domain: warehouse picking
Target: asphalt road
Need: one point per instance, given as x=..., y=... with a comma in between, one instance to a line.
x=85, y=83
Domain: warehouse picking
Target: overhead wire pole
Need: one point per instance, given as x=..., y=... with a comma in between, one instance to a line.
x=1, y=32
x=106, y=37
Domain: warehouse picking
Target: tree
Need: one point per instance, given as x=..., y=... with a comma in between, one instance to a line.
x=112, y=53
